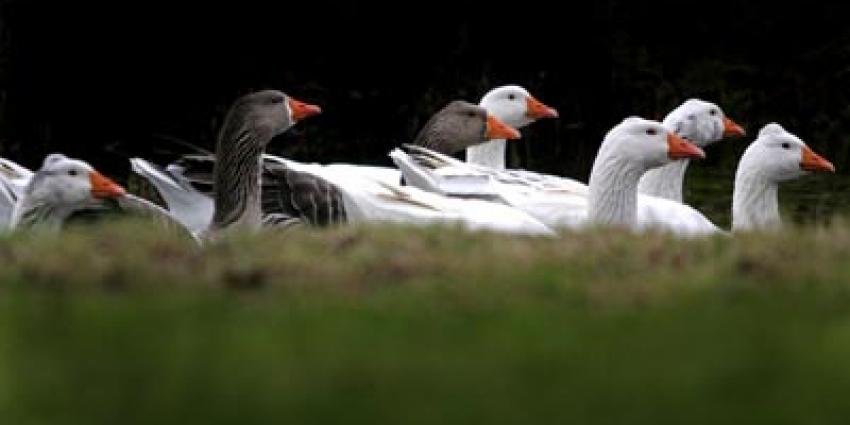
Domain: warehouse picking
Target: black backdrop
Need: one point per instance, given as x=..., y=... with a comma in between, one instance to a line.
x=103, y=81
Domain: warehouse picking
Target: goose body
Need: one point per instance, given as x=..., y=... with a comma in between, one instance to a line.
x=554, y=201
x=14, y=179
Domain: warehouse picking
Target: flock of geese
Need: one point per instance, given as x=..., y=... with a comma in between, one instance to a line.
x=635, y=183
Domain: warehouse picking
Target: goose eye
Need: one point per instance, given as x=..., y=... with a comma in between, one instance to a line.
x=72, y=172
x=713, y=112
x=511, y=96
x=786, y=145
x=651, y=131
x=471, y=114
x=277, y=100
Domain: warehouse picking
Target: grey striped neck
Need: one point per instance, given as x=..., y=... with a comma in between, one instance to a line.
x=236, y=179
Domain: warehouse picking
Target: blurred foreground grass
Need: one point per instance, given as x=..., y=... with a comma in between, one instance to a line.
x=121, y=325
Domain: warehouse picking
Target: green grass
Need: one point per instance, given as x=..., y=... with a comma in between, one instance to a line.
x=121, y=325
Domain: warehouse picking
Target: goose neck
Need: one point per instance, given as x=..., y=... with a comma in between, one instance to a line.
x=665, y=181
x=613, y=191
x=490, y=154
x=755, y=201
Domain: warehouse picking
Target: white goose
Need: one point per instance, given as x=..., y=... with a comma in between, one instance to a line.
x=61, y=187
x=628, y=151
x=321, y=194
x=701, y=122
x=774, y=157
x=514, y=106
x=65, y=187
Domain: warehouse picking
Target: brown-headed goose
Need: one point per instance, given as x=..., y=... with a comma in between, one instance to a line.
x=774, y=157
x=250, y=124
x=235, y=196
x=702, y=123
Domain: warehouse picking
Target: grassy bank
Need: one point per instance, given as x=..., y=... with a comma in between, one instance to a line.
x=119, y=324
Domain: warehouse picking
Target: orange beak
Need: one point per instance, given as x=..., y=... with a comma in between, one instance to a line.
x=103, y=187
x=813, y=162
x=536, y=110
x=301, y=110
x=499, y=130
x=678, y=148
x=731, y=128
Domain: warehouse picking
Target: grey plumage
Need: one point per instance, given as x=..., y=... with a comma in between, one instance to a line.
x=285, y=194
x=249, y=126
x=454, y=128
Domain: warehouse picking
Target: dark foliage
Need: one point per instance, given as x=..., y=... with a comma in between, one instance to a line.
x=105, y=80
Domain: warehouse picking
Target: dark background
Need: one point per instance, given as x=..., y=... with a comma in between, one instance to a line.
x=103, y=81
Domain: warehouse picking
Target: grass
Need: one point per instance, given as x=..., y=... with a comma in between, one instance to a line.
x=119, y=324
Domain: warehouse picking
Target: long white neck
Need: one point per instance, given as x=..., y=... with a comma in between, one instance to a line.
x=613, y=191
x=489, y=154
x=755, y=202
x=665, y=181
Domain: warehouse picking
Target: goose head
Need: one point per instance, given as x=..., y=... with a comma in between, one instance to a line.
x=777, y=156
x=270, y=112
x=460, y=125
x=63, y=181
x=702, y=122
x=627, y=152
x=647, y=144
x=515, y=106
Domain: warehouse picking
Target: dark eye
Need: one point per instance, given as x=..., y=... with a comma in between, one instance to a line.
x=471, y=114
x=277, y=99
x=512, y=96
x=651, y=131
x=786, y=145
x=72, y=172
x=713, y=112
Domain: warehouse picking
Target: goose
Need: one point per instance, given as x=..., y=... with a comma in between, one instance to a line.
x=516, y=107
x=699, y=121
x=327, y=194
x=628, y=151
x=235, y=199
x=250, y=124
x=65, y=188
x=774, y=157
x=61, y=187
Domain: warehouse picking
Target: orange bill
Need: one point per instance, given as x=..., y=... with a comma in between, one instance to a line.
x=811, y=161
x=731, y=128
x=536, y=109
x=301, y=110
x=103, y=187
x=679, y=148
x=498, y=130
